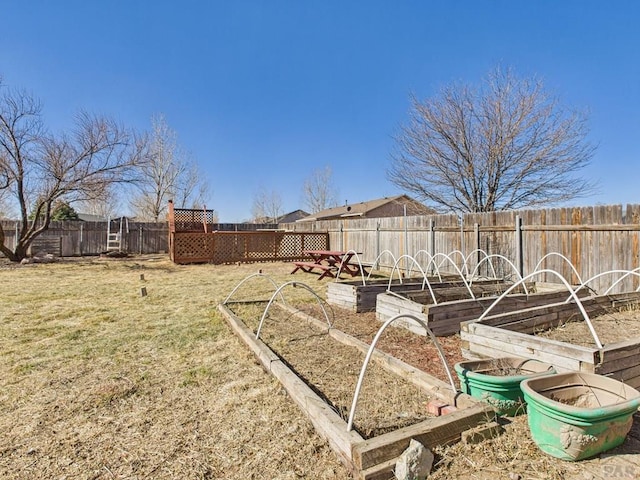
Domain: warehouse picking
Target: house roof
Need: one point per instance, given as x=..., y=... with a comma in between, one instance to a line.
x=293, y=216
x=363, y=208
x=286, y=218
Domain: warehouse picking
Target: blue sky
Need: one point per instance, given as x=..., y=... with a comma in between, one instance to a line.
x=263, y=92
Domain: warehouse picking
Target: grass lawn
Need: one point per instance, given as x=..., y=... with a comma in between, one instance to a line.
x=100, y=382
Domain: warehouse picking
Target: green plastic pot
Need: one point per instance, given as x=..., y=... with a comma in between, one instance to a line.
x=496, y=381
x=576, y=415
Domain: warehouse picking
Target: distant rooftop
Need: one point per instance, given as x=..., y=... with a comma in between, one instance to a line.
x=379, y=207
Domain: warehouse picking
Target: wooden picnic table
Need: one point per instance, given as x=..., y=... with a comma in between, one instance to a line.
x=331, y=262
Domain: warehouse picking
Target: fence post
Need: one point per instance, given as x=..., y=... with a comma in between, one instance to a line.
x=341, y=236
x=476, y=237
x=519, y=246
x=140, y=240
x=462, y=234
x=375, y=267
x=432, y=242
x=406, y=241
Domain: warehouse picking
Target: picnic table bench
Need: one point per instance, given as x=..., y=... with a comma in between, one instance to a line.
x=331, y=263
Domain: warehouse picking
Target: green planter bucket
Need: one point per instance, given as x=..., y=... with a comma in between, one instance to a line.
x=496, y=381
x=575, y=415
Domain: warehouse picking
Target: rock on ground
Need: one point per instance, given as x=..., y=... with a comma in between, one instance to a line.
x=415, y=462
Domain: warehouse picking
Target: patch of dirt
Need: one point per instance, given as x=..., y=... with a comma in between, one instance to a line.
x=500, y=367
x=331, y=368
x=610, y=327
x=413, y=349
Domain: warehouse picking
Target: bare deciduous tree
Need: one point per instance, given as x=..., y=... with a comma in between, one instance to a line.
x=5, y=208
x=39, y=168
x=505, y=145
x=267, y=207
x=167, y=174
x=105, y=204
x=192, y=188
x=319, y=191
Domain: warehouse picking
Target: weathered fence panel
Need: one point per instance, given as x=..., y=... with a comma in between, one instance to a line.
x=77, y=238
x=594, y=239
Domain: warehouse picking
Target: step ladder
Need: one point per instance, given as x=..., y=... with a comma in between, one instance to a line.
x=114, y=238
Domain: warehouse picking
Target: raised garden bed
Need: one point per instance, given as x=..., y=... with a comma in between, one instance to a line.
x=354, y=296
x=444, y=318
x=318, y=366
x=530, y=333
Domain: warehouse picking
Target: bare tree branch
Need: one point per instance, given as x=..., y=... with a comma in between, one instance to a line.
x=41, y=168
x=504, y=145
x=319, y=192
x=167, y=174
x=267, y=207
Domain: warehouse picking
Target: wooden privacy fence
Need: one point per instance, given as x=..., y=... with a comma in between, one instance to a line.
x=77, y=238
x=194, y=239
x=594, y=239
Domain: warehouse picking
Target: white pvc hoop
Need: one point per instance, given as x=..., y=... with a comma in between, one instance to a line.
x=375, y=263
x=295, y=284
x=609, y=272
x=273, y=282
x=429, y=257
x=635, y=272
x=571, y=293
x=462, y=277
x=496, y=255
x=370, y=353
x=425, y=280
x=550, y=254
x=364, y=283
x=466, y=262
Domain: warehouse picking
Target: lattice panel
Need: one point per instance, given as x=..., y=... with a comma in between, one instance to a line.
x=314, y=241
x=230, y=247
x=291, y=245
x=193, y=247
x=263, y=247
x=190, y=220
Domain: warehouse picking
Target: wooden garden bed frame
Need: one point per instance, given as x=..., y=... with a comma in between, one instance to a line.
x=354, y=296
x=374, y=458
x=445, y=318
x=512, y=334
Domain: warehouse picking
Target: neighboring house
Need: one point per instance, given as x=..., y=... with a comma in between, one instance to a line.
x=286, y=218
x=382, y=207
x=293, y=216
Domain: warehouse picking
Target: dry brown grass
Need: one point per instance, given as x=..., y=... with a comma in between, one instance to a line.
x=99, y=382
x=611, y=327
